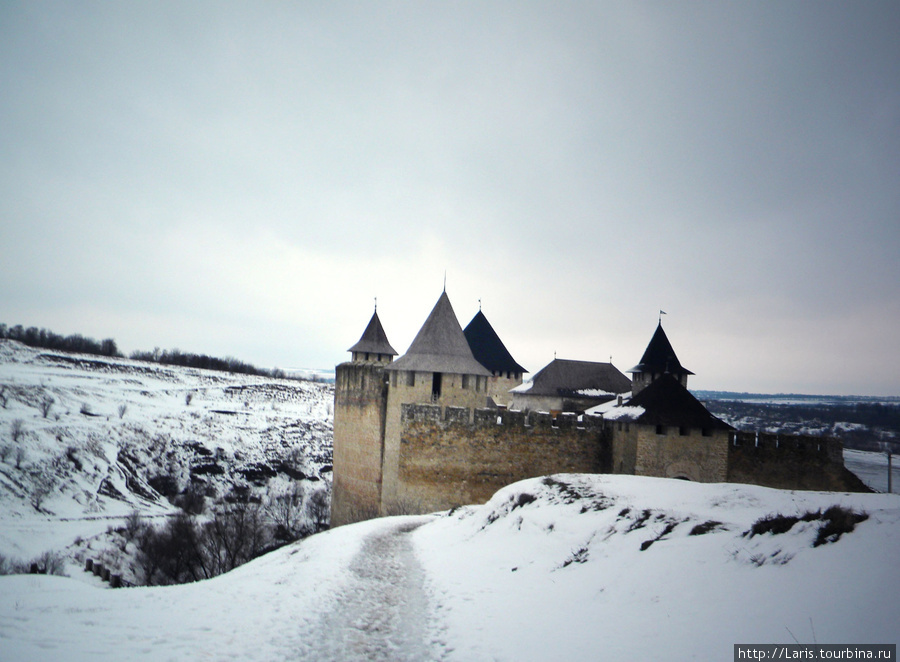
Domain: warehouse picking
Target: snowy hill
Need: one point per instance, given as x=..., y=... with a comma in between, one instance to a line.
x=563, y=567
x=85, y=440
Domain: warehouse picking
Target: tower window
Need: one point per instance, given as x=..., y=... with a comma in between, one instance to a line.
x=410, y=378
x=660, y=429
x=465, y=381
x=436, y=386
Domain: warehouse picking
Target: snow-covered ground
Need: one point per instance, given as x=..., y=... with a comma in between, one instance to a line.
x=117, y=434
x=872, y=468
x=564, y=567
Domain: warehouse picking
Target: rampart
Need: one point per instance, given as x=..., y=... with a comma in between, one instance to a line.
x=457, y=455
x=793, y=462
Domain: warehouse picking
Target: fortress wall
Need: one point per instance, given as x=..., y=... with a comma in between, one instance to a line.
x=674, y=455
x=796, y=462
x=359, y=416
x=446, y=461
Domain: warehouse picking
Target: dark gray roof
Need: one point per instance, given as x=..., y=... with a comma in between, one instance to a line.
x=440, y=345
x=659, y=357
x=487, y=347
x=667, y=402
x=567, y=377
x=374, y=339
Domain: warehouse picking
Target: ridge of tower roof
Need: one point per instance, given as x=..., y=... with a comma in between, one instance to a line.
x=487, y=348
x=659, y=357
x=374, y=339
x=440, y=345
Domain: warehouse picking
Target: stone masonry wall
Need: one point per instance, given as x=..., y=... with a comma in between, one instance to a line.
x=794, y=462
x=674, y=455
x=359, y=416
x=446, y=460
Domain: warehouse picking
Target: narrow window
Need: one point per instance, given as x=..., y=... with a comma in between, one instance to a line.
x=410, y=378
x=436, y=386
x=660, y=429
x=683, y=431
x=394, y=378
x=465, y=381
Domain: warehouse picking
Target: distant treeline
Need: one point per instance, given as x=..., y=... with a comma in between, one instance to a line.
x=204, y=362
x=78, y=344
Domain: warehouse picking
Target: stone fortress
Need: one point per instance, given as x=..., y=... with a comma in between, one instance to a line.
x=450, y=422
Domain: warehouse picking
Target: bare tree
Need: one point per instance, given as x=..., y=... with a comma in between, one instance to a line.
x=318, y=506
x=4, y=396
x=122, y=409
x=42, y=485
x=286, y=512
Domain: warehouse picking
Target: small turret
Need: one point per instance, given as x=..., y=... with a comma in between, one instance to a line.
x=659, y=359
x=373, y=346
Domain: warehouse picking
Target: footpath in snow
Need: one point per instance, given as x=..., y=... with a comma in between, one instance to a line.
x=382, y=614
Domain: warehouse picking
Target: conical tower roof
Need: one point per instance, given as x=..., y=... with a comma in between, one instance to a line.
x=659, y=357
x=374, y=339
x=487, y=347
x=440, y=345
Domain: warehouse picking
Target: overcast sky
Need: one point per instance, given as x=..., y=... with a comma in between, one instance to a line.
x=243, y=179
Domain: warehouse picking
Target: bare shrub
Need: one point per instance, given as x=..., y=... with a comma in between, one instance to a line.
x=16, y=430
x=5, y=451
x=122, y=409
x=20, y=456
x=46, y=405
x=188, y=397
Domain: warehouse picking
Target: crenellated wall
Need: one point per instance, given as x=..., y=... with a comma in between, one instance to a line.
x=457, y=455
x=794, y=462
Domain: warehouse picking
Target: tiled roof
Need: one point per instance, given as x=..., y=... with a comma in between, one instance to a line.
x=440, y=345
x=374, y=339
x=659, y=357
x=567, y=377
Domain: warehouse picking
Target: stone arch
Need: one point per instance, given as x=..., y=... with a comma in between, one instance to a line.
x=685, y=470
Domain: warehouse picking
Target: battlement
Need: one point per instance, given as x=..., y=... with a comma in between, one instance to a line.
x=497, y=417
x=799, y=447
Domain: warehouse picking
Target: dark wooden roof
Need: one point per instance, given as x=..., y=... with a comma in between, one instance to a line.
x=440, y=345
x=487, y=347
x=667, y=402
x=374, y=339
x=566, y=377
x=659, y=357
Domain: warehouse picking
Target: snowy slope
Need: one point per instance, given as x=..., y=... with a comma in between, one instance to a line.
x=565, y=567
x=120, y=434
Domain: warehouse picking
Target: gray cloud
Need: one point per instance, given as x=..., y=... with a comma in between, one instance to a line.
x=244, y=179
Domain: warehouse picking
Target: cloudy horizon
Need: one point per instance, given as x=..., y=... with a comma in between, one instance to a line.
x=244, y=179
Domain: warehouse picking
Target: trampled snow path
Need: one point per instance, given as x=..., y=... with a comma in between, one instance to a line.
x=383, y=613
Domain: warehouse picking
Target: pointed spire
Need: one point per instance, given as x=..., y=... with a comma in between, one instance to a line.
x=487, y=347
x=374, y=339
x=440, y=345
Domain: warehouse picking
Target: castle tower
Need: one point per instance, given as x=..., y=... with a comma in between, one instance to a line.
x=360, y=396
x=438, y=368
x=659, y=359
x=489, y=351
